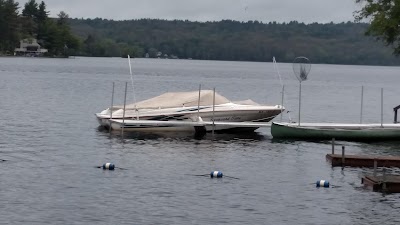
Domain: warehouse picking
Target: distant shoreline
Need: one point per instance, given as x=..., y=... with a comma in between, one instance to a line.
x=73, y=57
x=21, y=56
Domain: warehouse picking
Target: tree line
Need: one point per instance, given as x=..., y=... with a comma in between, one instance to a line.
x=342, y=43
x=34, y=22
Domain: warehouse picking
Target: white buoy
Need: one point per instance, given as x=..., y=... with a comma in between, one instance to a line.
x=216, y=174
x=108, y=166
x=322, y=183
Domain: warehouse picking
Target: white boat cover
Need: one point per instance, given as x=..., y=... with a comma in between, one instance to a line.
x=178, y=99
x=246, y=102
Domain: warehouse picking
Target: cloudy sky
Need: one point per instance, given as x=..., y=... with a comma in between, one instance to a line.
x=308, y=11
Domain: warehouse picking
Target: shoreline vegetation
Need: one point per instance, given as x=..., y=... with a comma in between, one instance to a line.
x=31, y=24
x=329, y=43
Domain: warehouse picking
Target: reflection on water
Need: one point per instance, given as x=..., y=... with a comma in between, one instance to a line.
x=184, y=136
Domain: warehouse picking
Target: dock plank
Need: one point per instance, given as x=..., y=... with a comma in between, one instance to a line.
x=390, y=183
x=363, y=160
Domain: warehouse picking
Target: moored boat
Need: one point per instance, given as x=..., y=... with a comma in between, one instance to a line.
x=189, y=107
x=339, y=131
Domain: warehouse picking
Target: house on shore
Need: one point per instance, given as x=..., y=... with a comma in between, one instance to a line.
x=30, y=47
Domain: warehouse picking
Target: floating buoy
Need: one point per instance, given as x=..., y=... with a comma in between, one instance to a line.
x=322, y=183
x=216, y=174
x=108, y=166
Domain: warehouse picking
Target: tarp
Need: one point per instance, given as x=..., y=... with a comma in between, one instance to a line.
x=178, y=99
x=246, y=102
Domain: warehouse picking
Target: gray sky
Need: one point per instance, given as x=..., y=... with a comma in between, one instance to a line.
x=308, y=11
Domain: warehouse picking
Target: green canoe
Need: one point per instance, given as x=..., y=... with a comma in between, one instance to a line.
x=327, y=131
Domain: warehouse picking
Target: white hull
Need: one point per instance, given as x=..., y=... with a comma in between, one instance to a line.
x=198, y=126
x=227, y=113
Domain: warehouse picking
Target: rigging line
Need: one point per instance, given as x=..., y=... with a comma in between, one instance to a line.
x=277, y=70
x=133, y=88
x=281, y=82
x=130, y=71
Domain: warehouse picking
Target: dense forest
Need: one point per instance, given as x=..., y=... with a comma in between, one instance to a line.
x=343, y=43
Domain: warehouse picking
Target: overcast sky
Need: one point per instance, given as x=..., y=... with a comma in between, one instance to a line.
x=308, y=11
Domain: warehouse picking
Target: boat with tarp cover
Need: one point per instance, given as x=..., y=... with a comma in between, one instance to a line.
x=190, y=107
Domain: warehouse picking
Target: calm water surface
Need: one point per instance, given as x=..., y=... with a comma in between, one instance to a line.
x=51, y=143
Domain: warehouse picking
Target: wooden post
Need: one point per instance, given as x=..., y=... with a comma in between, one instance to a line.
x=384, y=180
x=123, y=115
x=395, y=113
x=333, y=146
x=343, y=160
x=375, y=166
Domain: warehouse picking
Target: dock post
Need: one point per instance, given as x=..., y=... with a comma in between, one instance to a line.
x=198, y=105
x=213, y=115
x=362, y=103
x=123, y=115
x=299, y=101
x=283, y=98
x=381, y=107
x=395, y=113
x=375, y=166
x=333, y=146
x=112, y=103
x=384, y=180
x=343, y=161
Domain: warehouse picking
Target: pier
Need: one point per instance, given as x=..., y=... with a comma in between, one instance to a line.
x=384, y=183
x=387, y=183
x=363, y=160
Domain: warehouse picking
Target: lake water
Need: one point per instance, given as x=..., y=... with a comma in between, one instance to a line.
x=52, y=145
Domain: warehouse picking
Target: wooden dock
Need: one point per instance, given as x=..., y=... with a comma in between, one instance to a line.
x=363, y=161
x=389, y=184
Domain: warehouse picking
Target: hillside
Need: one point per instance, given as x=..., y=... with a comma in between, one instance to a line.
x=343, y=43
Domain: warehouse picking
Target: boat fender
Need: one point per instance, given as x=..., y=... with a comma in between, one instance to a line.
x=322, y=183
x=216, y=174
x=108, y=166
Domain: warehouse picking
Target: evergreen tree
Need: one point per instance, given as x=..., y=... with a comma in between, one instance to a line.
x=28, y=20
x=42, y=14
x=41, y=18
x=9, y=25
x=62, y=41
x=30, y=9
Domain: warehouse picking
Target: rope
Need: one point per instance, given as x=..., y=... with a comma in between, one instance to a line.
x=282, y=84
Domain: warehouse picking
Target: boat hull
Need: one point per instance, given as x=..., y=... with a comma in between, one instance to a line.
x=177, y=128
x=219, y=116
x=351, y=132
